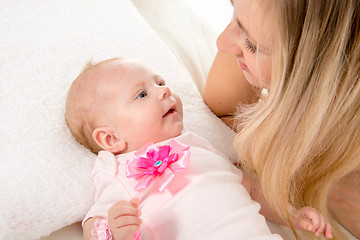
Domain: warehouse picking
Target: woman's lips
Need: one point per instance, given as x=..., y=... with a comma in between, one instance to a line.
x=243, y=66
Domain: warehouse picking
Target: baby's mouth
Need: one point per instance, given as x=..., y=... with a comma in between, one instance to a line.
x=171, y=110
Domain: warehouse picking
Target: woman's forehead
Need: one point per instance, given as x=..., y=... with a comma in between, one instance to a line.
x=256, y=21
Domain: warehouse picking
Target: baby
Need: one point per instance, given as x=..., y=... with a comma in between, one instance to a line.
x=185, y=188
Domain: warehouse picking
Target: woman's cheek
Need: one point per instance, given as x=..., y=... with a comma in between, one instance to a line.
x=265, y=71
x=259, y=69
x=251, y=64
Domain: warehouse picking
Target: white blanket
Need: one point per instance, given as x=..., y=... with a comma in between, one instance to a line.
x=45, y=174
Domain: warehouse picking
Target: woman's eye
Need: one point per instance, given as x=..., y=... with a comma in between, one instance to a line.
x=249, y=46
x=141, y=95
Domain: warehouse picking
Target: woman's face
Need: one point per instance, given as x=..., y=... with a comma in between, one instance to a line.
x=248, y=38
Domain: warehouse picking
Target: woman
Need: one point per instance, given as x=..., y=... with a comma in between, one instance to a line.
x=302, y=138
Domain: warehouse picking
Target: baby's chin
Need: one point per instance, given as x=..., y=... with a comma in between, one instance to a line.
x=177, y=134
x=172, y=135
x=176, y=131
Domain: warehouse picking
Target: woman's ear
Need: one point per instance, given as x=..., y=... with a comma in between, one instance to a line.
x=107, y=140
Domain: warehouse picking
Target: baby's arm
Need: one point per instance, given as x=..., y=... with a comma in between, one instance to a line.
x=306, y=218
x=88, y=227
x=123, y=220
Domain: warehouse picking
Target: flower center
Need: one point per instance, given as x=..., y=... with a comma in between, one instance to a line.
x=158, y=163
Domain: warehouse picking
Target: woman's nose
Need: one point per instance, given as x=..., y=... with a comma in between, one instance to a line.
x=228, y=41
x=164, y=92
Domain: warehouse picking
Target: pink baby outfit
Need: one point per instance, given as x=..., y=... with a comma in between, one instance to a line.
x=204, y=201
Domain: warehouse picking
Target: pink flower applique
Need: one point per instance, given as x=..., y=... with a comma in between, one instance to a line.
x=158, y=164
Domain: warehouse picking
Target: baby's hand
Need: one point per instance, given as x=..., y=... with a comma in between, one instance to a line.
x=123, y=218
x=309, y=219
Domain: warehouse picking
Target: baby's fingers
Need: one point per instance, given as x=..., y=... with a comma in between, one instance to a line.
x=327, y=231
x=124, y=221
x=319, y=225
x=323, y=227
x=122, y=208
x=135, y=201
x=316, y=219
x=126, y=233
x=305, y=225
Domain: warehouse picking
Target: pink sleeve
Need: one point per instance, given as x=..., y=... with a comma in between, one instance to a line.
x=109, y=188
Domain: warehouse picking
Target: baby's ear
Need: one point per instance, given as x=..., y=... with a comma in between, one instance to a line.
x=107, y=140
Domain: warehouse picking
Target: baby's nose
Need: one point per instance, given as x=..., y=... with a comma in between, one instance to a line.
x=164, y=92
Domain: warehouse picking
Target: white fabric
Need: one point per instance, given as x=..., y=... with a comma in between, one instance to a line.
x=181, y=30
x=45, y=174
x=190, y=29
x=203, y=201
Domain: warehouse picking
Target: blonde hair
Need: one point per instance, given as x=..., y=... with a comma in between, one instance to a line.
x=77, y=115
x=305, y=135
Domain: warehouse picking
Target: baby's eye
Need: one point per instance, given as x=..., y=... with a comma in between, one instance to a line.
x=142, y=95
x=162, y=83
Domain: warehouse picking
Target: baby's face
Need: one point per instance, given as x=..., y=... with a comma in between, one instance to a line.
x=139, y=107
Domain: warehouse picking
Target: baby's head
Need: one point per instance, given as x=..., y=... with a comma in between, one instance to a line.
x=119, y=105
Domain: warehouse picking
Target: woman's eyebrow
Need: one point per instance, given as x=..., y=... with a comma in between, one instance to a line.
x=238, y=22
x=244, y=29
x=241, y=26
x=262, y=48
